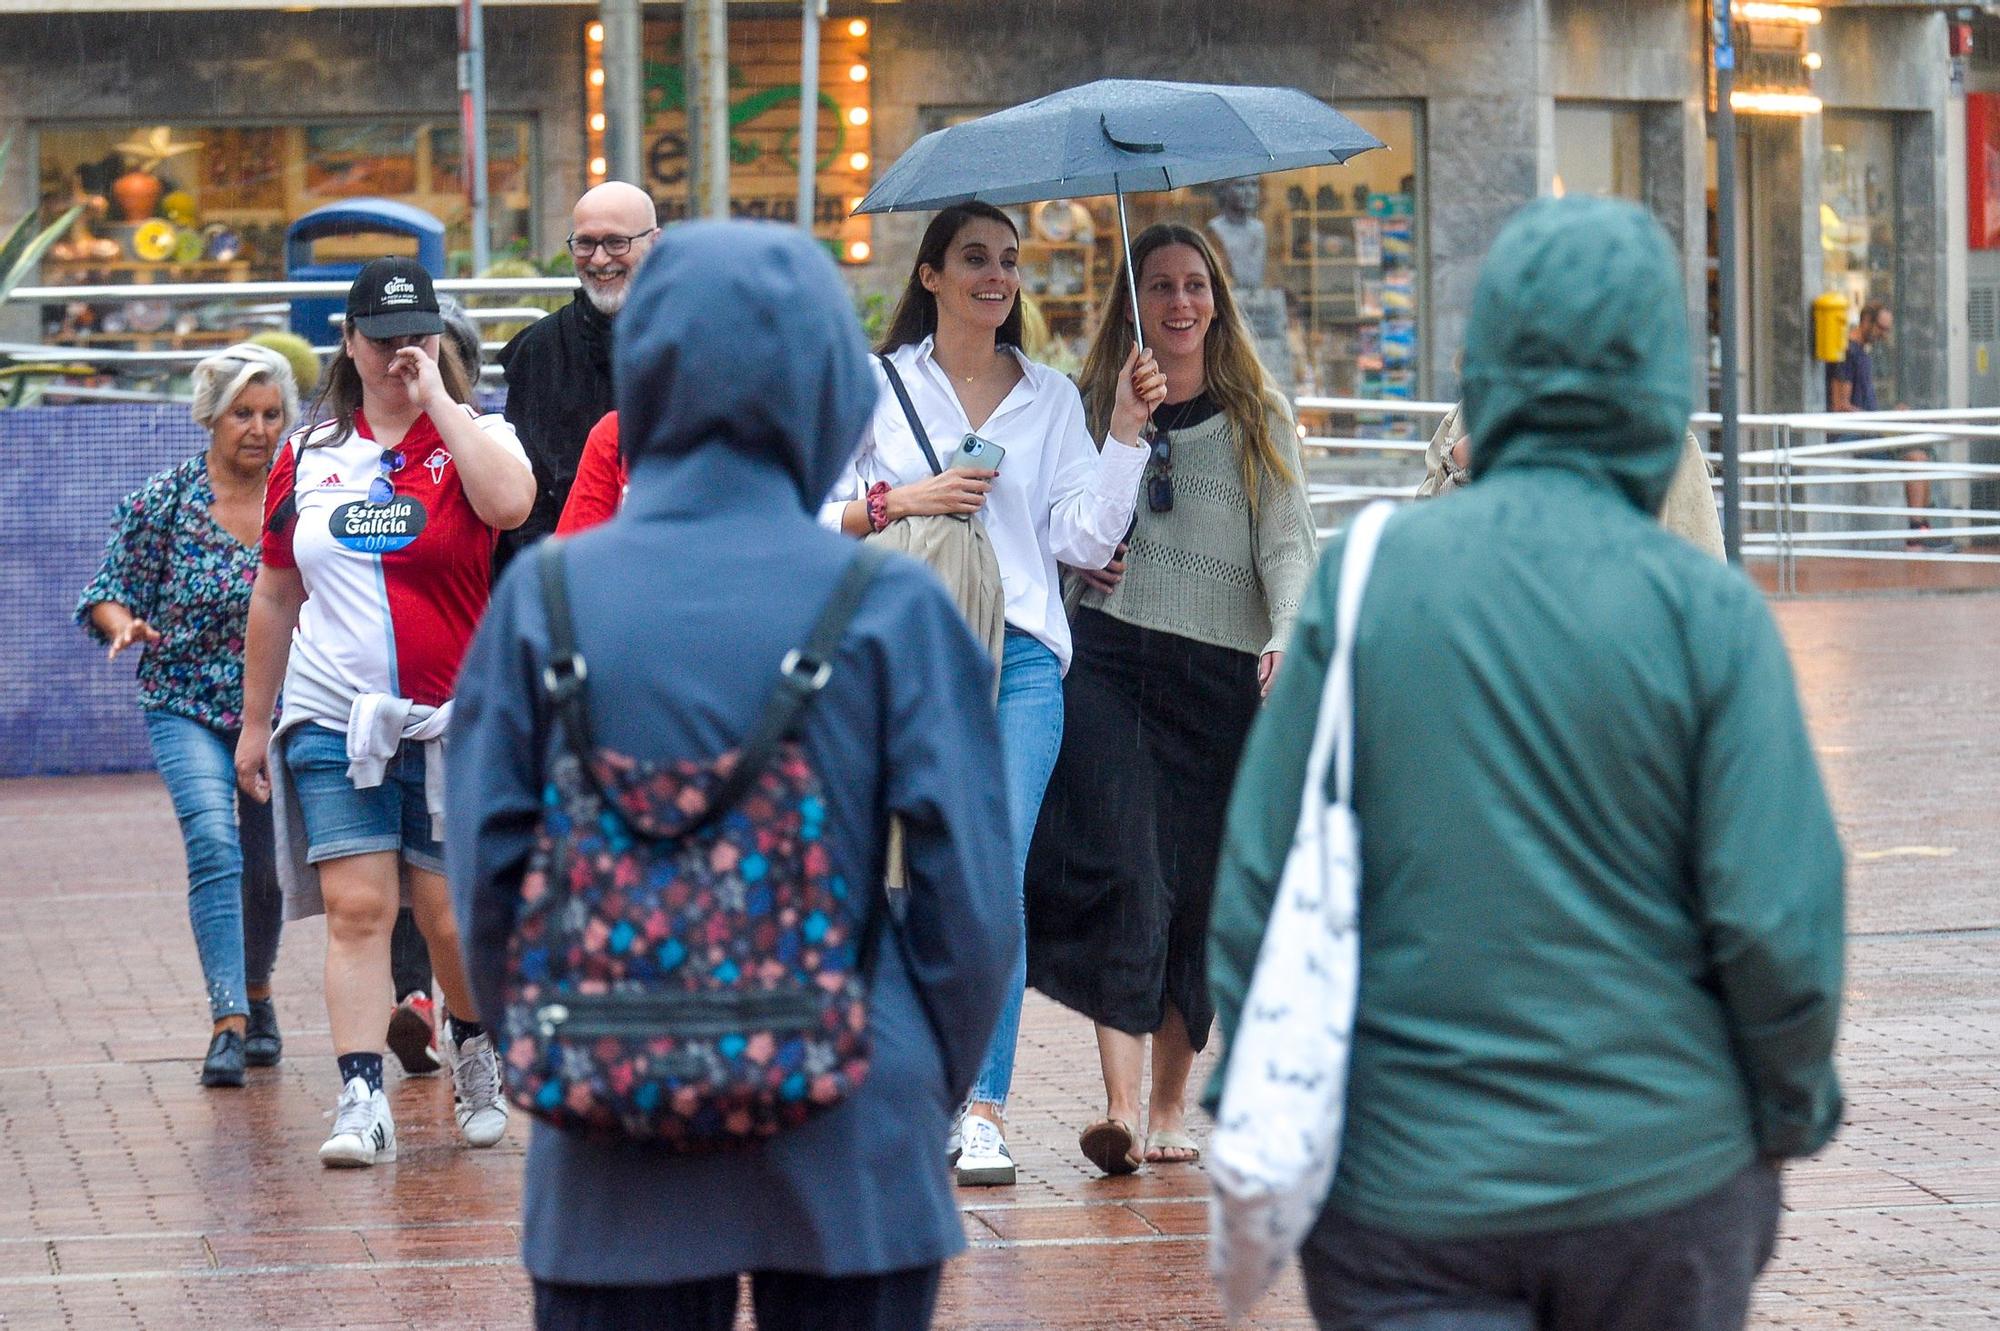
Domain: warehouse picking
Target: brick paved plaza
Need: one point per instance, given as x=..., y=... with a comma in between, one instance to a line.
x=129, y=1197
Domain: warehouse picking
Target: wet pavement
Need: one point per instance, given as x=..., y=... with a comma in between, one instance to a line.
x=130, y=1197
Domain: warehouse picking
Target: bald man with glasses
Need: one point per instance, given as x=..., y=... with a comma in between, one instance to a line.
x=559, y=368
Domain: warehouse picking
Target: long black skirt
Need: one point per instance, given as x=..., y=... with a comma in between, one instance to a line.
x=1123, y=861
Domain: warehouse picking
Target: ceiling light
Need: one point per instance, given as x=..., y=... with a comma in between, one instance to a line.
x=1764, y=11
x=1776, y=103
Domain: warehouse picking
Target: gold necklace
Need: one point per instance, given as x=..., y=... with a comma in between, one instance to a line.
x=975, y=378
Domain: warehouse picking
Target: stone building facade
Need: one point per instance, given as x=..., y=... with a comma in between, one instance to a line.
x=1485, y=104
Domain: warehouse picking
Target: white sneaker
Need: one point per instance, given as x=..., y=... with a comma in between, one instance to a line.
x=363, y=1132
x=983, y=1160
x=476, y=1100
x=954, y=1142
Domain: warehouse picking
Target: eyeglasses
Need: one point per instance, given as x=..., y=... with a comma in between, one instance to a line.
x=1160, y=486
x=381, y=490
x=582, y=247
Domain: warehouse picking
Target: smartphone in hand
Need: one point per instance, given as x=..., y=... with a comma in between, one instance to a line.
x=977, y=453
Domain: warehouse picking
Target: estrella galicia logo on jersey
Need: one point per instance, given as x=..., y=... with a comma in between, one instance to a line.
x=377, y=529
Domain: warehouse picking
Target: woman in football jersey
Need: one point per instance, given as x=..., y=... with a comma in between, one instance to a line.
x=381, y=522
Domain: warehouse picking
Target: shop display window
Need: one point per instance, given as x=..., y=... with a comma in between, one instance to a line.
x=1857, y=217
x=179, y=203
x=1600, y=151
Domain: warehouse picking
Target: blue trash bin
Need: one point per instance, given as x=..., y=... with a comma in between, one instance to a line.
x=351, y=217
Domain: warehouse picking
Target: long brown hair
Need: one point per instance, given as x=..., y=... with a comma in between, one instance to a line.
x=339, y=396
x=916, y=312
x=1231, y=372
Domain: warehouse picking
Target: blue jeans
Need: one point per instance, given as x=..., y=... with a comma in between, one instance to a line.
x=1031, y=729
x=233, y=900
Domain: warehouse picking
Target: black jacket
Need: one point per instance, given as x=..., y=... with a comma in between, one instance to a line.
x=558, y=386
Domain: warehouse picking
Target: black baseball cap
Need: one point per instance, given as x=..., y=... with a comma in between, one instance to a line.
x=394, y=298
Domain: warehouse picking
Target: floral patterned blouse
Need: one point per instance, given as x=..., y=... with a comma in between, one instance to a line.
x=172, y=564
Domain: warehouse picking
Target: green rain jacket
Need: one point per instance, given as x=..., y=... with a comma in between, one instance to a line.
x=1601, y=915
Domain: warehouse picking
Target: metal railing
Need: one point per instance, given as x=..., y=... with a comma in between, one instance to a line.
x=1815, y=485
x=1792, y=468
x=238, y=309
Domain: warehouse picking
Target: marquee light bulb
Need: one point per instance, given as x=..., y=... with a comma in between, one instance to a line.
x=859, y=251
x=858, y=73
x=858, y=28
x=595, y=31
x=858, y=116
x=859, y=161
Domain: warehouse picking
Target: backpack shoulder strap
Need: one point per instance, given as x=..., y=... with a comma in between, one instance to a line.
x=565, y=676
x=803, y=674
x=910, y=414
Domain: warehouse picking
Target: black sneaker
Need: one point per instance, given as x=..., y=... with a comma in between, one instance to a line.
x=262, y=1045
x=1922, y=538
x=224, y=1064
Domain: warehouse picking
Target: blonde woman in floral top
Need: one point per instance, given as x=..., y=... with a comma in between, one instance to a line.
x=175, y=586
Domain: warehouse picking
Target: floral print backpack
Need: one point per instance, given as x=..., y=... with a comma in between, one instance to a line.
x=685, y=967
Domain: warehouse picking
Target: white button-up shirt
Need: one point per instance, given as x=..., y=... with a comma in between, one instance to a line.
x=1058, y=497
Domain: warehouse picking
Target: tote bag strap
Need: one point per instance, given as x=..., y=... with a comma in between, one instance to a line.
x=1333, y=733
x=910, y=414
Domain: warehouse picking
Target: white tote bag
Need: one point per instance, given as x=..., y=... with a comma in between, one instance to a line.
x=1277, y=1133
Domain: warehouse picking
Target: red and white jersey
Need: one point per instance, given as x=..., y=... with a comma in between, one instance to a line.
x=394, y=590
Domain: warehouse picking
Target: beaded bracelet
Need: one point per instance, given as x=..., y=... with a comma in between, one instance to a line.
x=878, y=505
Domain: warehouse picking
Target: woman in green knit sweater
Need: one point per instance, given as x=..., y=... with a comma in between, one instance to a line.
x=1174, y=649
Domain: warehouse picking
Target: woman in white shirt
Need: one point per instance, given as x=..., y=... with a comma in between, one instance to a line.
x=955, y=343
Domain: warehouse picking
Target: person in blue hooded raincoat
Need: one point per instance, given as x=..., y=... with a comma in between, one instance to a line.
x=685, y=603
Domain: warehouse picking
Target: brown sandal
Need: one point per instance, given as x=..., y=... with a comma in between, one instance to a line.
x=1108, y=1144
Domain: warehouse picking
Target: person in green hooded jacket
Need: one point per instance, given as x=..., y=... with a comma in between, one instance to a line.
x=1601, y=894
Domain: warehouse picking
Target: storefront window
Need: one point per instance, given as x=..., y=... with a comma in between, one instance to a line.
x=1857, y=219
x=1599, y=151
x=1327, y=263
x=209, y=203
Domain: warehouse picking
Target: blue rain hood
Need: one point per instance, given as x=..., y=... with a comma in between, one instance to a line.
x=1576, y=349
x=742, y=335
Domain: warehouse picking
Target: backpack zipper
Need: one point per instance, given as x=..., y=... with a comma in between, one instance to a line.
x=696, y=1016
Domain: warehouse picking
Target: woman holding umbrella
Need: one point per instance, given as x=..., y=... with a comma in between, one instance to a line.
x=954, y=349
x=1174, y=648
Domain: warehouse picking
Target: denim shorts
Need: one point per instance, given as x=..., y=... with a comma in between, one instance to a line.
x=342, y=820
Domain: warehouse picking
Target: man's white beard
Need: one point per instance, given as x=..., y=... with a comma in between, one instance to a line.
x=608, y=301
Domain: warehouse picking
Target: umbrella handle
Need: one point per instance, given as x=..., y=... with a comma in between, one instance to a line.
x=1131, y=278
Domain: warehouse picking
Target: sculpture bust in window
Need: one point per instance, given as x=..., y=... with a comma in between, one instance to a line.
x=1240, y=231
